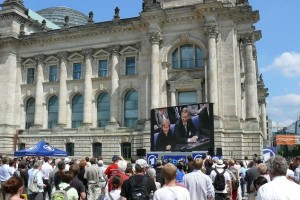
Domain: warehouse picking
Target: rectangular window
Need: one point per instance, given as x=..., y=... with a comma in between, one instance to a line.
x=70, y=149
x=76, y=71
x=185, y=98
x=30, y=75
x=126, y=150
x=53, y=73
x=102, y=70
x=97, y=150
x=130, y=65
x=21, y=146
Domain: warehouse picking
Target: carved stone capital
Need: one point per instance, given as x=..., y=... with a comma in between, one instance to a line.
x=62, y=55
x=211, y=31
x=247, y=38
x=114, y=49
x=40, y=58
x=87, y=52
x=262, y=101
x=155, y=37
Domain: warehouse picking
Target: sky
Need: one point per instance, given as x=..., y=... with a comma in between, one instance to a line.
x=278, y=51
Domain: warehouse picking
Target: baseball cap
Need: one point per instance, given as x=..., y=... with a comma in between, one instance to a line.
x=115, y=158
x=142, y=163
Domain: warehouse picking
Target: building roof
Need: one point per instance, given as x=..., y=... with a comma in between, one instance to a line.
x=57, y=16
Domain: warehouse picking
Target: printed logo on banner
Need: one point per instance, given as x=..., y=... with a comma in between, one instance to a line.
x=174, y=159
x=151, y=158
x=198, y=155
x=48, y=148
x=269, y=152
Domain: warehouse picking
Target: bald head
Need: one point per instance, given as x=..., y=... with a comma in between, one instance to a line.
x=169, y=172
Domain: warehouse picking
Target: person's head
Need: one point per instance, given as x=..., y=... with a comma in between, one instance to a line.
x=231, y=162
x=189, y=158
x=61, y=165
x=165, y=126
x=151, y=173
x=122, y=165
x=129, y=169
x=198, y=163
x=185, y=115
x=220, y=164
x=11, y=163
x=5, y=160
x=115, y=159
x=297, y=160
x=132, y=160
x=262, y=168
x=158, y=163
x=82, y=164
x=242, y=164
x=259, y=181
x=87, y=159
x=74, y=169
x=93, y=161
x=179, y=166
x=14, y=185
x=251, y=164
x=169, y=172
x=67, y=160
x=116, y=182
x=246, y=158
x=140, y=166
x=22, y=164
x=38, y=164
x=100, y=163
x=67, y=176
x=277, y=166
x=46, y=158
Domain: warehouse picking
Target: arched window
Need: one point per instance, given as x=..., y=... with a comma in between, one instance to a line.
x=187, y=56
x=103, y=110
x=131, y=109
x=30, y=110
x=52, y=112
x=77, y=111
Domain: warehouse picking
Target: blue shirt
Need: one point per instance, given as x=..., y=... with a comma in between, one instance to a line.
x=5, y=172
x=179, y=176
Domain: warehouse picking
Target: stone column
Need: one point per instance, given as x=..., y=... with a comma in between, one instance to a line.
x=63, y=91
x=263, y=118
x=212, y=70
x=250, y=78
x=38, y=116
x=88, y=89
x=155, y=40
x=173, y=97
x=114, y=95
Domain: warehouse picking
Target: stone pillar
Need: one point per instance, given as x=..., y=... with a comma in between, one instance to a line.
x=212, y=70
x=250, y=78
x=38, y=116
x=173, y=97
x=155, y=40
x=63, y=91
x=263, y=119
x=114, y=96
x=88, y=89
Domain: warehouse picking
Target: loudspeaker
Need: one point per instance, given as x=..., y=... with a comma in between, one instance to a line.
x=219, y=152
x=141, y=152
x=211, y=151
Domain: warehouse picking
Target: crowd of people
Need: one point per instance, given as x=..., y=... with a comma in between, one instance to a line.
x=38, y=178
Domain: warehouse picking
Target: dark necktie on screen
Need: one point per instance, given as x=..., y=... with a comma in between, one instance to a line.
x=185, y=128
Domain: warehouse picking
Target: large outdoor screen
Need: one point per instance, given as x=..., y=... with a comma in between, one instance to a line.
x=182, y=128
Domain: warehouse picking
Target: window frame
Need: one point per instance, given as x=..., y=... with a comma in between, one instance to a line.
x=186, y=103
x=49, y=112
x=125, y=111
x=77, y=123
x=98, y=108
x=197, y=62
x=94, y=149
x=76, y=72
x=102, y=70
x=50, y=75
x=126, y=149
x=70, y=145
x=30, y=76
x=126, y=66
x=27, y=126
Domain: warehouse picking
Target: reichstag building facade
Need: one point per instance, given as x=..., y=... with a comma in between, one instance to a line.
x=88, y=87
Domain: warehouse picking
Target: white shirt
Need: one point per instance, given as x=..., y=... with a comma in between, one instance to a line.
x=115, y=194
x=5, y=172
x=199, y=185
x=172, y=193
x=280, y=188
x=46, y=169
x=227, y=177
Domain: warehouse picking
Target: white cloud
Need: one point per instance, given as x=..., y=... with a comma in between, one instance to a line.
x=288, y=63
x=284, y=109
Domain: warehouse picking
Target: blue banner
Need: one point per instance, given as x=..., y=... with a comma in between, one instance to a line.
x=152, y=158
x=269, y=152
x=174, y=159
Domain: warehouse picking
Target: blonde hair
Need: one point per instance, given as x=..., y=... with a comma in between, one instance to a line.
x=262, y=167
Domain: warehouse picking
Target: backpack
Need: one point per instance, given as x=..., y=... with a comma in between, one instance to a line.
x=60, y=194
x=235, y=183
x=219, y=183
x=138, y=192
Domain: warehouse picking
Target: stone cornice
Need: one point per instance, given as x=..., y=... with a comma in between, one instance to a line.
x=128, y=25
x=4, y=41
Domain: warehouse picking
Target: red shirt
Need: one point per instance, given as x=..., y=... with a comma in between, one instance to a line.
x=111, y=170
x=123, y=178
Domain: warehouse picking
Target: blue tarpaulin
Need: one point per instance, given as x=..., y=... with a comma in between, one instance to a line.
x=41, y=149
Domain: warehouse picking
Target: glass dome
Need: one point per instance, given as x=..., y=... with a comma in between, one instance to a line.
x=57, y=16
